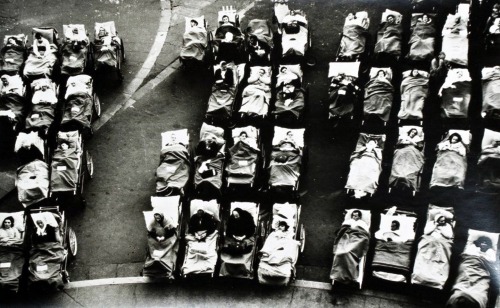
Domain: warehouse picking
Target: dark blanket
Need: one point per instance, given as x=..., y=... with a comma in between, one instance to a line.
x=14, y=103
x=413, y=95
x=45, y=263
x=12, y=58
x=353, y=41
x=449, y=170
x=392, y=257
x=295, y=106
x=106, y=55
x=41, y=116
x=455, y=101
x=12, y=258
x=242, y=163
x=432, y=263
x=221, y=102
x=389, y=39
x=174, y=167
x=406, y=168
x=489, y=170
x=350, y=245
x=73, y=60
x=64, y=169
x=422, y=41
x=285, y=173
x=78, y=109
x=342, y=99
x=214, y=174
x=491, y=92
x=378, y=98
x=473, y=281
x=41, y=66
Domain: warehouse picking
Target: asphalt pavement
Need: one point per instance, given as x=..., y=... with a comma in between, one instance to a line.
x=111, y=230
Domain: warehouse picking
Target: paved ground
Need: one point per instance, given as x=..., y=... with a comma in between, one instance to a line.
x=110, y=229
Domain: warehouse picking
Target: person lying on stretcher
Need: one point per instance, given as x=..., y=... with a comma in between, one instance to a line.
x=392, y=235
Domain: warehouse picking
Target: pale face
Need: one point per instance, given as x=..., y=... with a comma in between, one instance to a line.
x=441, y=221
x=281, y=228
x=483, y=246
x=5, y=82
x=157, y=217
x=11, y=41
x=225, y=19
x=454, y=139
x=412, y=133
x=64, y=146
x=236, y=215
x=7, y=224
x=243, y=136
x=355, y=216
x=425, y=18
x=390, y=19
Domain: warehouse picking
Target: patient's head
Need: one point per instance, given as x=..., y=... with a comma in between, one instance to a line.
x=425, y=18
x=223, y=65
x=455, y=138
x=351, y=16
x=289, y=88
x=442, y=55
x=5, y=81
x=8, y=222
x=253, y=39
x=262, y=72
x=440, y=220
x=283, y=226
x=38, y=37
x=356, y=215
x=243, y=135
x=194, y=23
x=289, y=134
x=64, y=145
x=395, y=225
x=158, y=217
x=40, y=223
x=390, y=19
x=484, y=243
x=412, y=132
x=200, y=212
x=236, y=213
x=11, y=41
x=225, y=19
x=75, y=31
x=102, y=32
x=381, y=74
x=371, y=144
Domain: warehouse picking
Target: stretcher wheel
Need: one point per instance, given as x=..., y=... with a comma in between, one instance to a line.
x=97, y=105
x=90, y=164
x=302, y=238
x=72, y=242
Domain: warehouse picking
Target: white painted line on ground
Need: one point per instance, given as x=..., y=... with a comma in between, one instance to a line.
x=143, y=280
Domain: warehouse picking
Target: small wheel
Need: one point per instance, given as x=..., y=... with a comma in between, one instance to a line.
x=72, y=242
x=90, y=164
x=97, y=105
x=302, y=238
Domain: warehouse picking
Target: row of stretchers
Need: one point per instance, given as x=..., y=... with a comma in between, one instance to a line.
x=205, y=242
x=75, y=54
x=35, y=249
x=50, y=121
x=254, y=45
x=218, y=252
x=240, y=239
x=393, y=257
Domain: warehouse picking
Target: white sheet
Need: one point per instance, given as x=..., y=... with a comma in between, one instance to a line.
x=68, y=32
x=347, y=68
x=280, y=134
x=175, y=136
x=250, y=207
x=18, y=219
x=374, y=71
x=211, y=207
x=488, y=137
x=200, y=20
x=109, y=27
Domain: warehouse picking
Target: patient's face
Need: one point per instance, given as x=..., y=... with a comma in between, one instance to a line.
x=483, y=246
x=225, y=19
x=441, y=221
x=64, y=146
x=157, y=217
x=390, y=19
x=11, y=41
x=39, y=223
x=5, y=82
x=412, y=133
x=425, y=18
x=7, y=224
x=236, y=214
x=454, y=139
x=355, y=216
x=394, y=226
x=350, y=16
